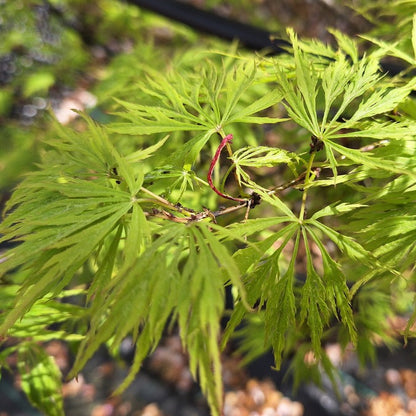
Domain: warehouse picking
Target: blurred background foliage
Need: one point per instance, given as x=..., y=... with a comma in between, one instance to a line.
x=56, y=51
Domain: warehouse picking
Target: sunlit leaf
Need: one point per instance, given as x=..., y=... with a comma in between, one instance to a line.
x=41, y=380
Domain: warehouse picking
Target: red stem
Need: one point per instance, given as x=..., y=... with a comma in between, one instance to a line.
x=225, y=140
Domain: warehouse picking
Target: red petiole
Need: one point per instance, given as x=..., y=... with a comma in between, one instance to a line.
x=225, y=140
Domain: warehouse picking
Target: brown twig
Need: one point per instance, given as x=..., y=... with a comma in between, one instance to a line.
x=195, y=217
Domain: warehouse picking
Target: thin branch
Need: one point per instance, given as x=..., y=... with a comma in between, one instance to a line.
x=225, y=142
x=162, y=201
x=198, y=216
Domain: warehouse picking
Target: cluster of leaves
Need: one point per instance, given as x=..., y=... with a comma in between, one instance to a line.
x=114, y=215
